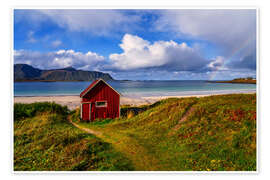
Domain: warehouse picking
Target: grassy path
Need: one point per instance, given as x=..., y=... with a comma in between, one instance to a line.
x=183, y=119
x=90, y=131
x=127, y=146
x=143, y=149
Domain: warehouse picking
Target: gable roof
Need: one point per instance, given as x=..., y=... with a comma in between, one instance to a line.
x=91, y=86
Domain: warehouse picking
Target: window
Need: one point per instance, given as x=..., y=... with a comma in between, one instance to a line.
x=101, y=104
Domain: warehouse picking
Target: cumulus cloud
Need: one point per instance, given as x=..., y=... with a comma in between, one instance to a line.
x=233, y=32
x=227, y=28
x=59, y=59
x=217, y=64
x=230, y=34
x=169, y=55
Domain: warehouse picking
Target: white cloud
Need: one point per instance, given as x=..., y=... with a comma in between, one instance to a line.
x=231, y=30
x=59, y=59
x=140, y=53
x=30, y=37
x=217, y=64
x=56, y=43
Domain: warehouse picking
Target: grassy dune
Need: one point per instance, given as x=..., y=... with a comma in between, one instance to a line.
x=45, y=141
x=218, y=134
x=215, y=133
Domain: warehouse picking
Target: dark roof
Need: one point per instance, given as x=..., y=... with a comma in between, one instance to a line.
x=92, y=85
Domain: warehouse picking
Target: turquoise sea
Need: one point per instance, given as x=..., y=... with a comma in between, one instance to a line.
x=133, y=88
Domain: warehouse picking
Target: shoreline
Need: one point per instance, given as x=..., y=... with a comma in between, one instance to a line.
x=73, y=101
x=190, y=94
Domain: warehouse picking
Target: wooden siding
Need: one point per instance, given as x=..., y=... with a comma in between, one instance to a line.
x=101, y=92
x=86, y=111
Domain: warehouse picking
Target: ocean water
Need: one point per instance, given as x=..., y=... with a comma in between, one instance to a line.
x=133, y=88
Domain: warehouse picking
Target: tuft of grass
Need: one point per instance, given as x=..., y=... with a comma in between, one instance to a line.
x=22, y=111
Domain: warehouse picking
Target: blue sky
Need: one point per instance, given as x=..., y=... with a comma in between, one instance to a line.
x=139, y=44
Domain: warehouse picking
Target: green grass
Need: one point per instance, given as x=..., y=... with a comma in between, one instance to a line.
x=22, y=111
x=47, y=141
x=218, y=134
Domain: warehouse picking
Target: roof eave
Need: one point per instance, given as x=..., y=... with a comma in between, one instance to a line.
x=100, y=79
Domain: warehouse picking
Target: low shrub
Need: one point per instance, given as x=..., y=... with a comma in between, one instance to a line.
x=22, y=111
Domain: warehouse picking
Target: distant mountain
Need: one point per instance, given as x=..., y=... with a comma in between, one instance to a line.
x=24, y=72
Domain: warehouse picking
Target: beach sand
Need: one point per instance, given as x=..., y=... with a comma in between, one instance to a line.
x=72, y=102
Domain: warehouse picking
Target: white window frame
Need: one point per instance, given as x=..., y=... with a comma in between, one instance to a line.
x=98, y=106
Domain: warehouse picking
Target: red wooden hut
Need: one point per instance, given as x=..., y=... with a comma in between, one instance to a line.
x=99, y=100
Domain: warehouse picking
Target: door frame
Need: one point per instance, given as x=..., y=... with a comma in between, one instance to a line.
x=89, y=109
x=90, y=105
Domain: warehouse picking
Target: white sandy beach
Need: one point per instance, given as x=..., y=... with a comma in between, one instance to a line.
x=72, y=102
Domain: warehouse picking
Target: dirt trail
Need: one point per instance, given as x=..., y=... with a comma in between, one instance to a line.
x=90, y=131
x=128, y=146
x=183, y=119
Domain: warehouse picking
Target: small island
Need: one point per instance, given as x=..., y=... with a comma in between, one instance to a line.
x=248, y=80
